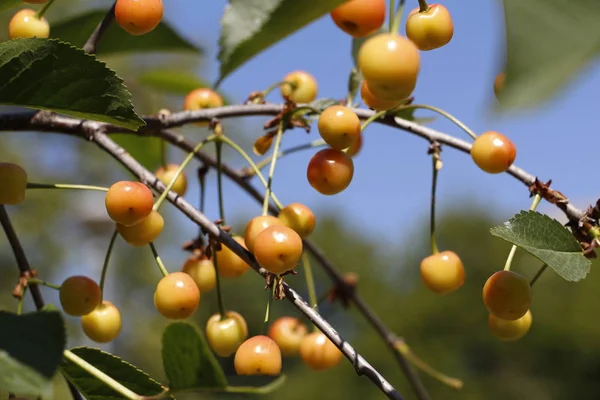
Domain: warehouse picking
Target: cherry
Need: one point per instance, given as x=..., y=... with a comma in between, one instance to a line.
x=201, y=98
x=202, y=272
x=318, y=352
x=355, y=148
x=258, y=355
x=278, y=249
x=103, y=324
x=305, y=89
x=339, y=127
x=288, y=333
x=430, y=29
x=359, y=18
x=229, y=264
x=390, y=64
x=25, y=24
x=443, y=272
x=298, y=217
x=330, y=171
x=128, y=203
x=144, y=232
x=499, y=83
x=166, y=174
x=373, y=102
x=177, y=296
x=13, y=183
x=138, y=17
x=79, y=295
x=226, y=335
x=256, y=226
x=493, y=152
x=507, y=295
x=509, y=331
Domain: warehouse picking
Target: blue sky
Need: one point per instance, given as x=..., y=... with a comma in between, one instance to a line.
x=392, y=174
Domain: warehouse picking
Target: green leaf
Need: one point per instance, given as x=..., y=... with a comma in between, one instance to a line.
x=47, y=74
x=78, y=29
x=31, y=347
x=548, y=240
x=126, y=374
x=250, y=26
x=174, y=81
x=188, y=361
x=6, y=4
x=357, y=42
x=548, y=44
x=321, y=104
x=145, y=149
x=409, y=115
x=354, y=81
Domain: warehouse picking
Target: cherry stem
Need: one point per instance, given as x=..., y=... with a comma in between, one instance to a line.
x=184, y=164
x=310, y=282
x=33, y=185
x=536, y=200
x=219, y=153
x=106, y=261
x=435, y=169
x=110, y=382
x=163, y=153
x=35, y=281
x=202, y=184
x=538, y=274
x=371, y=119
x=220, y=301
x=252, y=164
x=21, y=301
x=306, y=146
x=265, y=209
x=274, y=86
x=423, y=6
x=41, y=13
x=268, y=310
x=159, y=262
x=397, y=16
x=406, y=351
x=444, y=114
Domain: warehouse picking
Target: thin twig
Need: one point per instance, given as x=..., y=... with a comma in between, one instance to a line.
x=92, y=42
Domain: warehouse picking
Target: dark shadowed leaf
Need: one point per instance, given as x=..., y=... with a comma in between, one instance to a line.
x=126, y=374
x=78, y=29
x=51, y=75
x=548, y=240
x=250, y=26
x=6, y=4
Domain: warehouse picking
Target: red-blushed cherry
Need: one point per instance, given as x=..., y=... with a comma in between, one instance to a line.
x=166, y=174
x=305, y=89
x=256, y=226
x=177, y=296
x=79, y=295
x=298, y=217
x=229, y=264
x=226, y=335
x=318, y=352
x=278, y=249
x=430, y=29
x=13, y=183
x=330, y=171
x=25, y=24
x=138, y=17
x=493, y=152
x=128, y=202
x=509, y=331
x=442, y=272
x=104, y=324
x=202, y=271
x=359, y=18
x=288, y=333
x=259, y=355
x=390, y=63
x=507, y=295
x=339, y=126
x=144, y=232
x=202, y=98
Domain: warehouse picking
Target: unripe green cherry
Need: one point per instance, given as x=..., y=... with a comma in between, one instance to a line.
x=509, y=331
x=79, y=295
x=25, y=24
x=177, y=296
x=507, y=295
x=339, y=127
x=226, y=335
x=13, y=183
x=104, y=324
